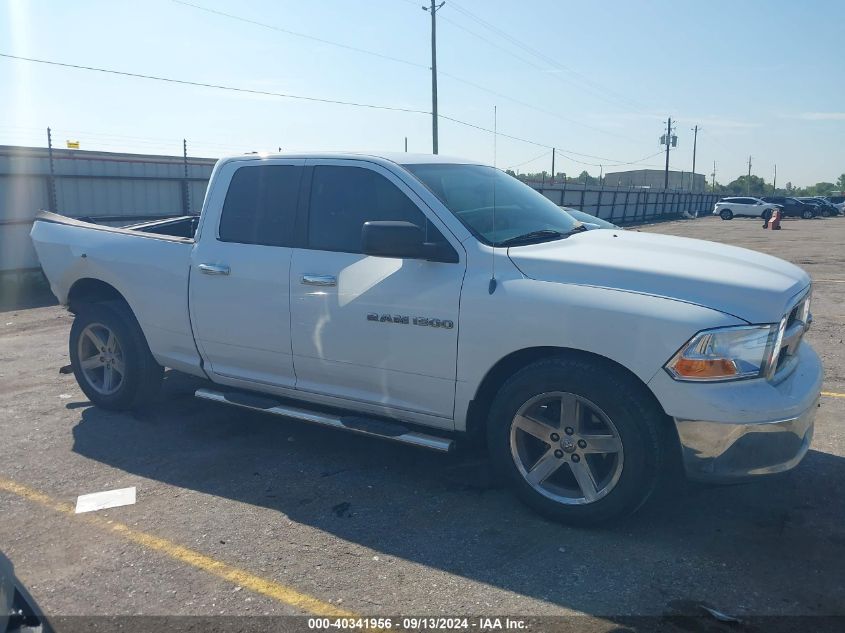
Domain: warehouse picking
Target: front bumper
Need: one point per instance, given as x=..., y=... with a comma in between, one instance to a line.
x=718, y=451
x=735, y=430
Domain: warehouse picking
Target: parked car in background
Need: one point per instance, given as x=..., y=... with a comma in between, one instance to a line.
x=827, y=204
x=729, y=208
x=824, y=209
x=792, y=207
x=589, y=220
x=837, y=201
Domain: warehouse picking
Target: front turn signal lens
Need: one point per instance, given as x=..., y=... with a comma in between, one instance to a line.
x=697, y=369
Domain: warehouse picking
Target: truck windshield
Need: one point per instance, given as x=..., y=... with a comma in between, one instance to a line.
x=473, y=192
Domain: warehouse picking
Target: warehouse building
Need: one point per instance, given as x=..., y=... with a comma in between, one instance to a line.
x=655, y=179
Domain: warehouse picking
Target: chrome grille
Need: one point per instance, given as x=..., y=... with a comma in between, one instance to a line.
x=793, y=326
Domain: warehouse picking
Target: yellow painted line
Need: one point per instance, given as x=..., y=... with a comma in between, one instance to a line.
x=222, y=570
x=833, y=394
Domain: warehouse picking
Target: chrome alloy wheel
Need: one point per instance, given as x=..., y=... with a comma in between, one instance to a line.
x=566, y=448
x=101, y=359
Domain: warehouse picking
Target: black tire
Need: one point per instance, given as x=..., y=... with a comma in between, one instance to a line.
x=726, y=214
x=808, y=214
x=142, y=376
x=639, y=421
x=825, y=213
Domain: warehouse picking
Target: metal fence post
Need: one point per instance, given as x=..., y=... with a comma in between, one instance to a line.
x=186, y=191
x=51, y=181
x=613, y=203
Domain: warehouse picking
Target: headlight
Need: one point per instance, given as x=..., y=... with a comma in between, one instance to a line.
x=728, y=353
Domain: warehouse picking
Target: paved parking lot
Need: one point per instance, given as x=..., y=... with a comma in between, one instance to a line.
x=239, y=513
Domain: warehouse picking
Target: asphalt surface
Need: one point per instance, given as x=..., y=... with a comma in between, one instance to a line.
x=369, y=527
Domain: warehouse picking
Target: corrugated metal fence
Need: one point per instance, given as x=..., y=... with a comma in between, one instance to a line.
x=628, y=205
x=102, y=186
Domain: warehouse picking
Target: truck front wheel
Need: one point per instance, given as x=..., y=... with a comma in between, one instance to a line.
x=110, y=357
x=579, y=441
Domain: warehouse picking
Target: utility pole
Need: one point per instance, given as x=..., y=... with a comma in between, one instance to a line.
x=406, y=144
x=694, y=144
x=553, y=165
x=668, y=140
x=433, y=10
x=775, y=182
x=748, y=180
x=713, y=175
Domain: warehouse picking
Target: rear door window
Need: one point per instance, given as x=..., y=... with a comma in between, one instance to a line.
x=260, y=206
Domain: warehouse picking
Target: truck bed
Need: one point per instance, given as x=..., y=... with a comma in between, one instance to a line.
x=148, y=264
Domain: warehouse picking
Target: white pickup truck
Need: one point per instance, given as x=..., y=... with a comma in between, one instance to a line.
x=424, y=299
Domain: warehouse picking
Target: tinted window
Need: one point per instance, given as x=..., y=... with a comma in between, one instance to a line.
x=260, y=205
x=343, y=198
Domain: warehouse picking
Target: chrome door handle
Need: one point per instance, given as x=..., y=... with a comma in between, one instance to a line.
x=214, y=269
x=319, y=280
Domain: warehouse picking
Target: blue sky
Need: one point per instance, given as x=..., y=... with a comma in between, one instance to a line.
x=760, y=77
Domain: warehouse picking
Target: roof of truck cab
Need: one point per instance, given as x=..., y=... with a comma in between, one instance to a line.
x=400, y=158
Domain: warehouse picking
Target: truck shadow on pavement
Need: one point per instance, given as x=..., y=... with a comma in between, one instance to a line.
x=773, y=546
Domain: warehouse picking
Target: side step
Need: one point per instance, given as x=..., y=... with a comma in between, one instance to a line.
x=384, y=429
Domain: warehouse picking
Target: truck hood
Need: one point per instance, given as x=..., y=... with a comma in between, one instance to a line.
x=755, y=287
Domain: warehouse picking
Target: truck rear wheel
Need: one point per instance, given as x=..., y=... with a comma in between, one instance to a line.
x=579, y=441
x=110, y=357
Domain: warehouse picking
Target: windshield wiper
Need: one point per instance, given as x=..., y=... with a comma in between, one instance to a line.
x=539, y=236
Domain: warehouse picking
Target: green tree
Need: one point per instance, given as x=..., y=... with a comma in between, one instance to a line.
x=840, y=183
x=822, y=188
x=753, y=186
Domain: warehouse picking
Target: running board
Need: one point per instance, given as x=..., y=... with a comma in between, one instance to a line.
x=384, y=429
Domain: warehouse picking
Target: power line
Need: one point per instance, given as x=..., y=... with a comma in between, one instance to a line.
x=313, y=38
x=596, y=87
x=492, y=43
x=451, y=76
x=532, y=106
x=610, y=161
x=530, y=160
x=217, y=86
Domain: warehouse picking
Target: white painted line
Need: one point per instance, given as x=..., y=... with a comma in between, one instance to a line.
x=105, y=499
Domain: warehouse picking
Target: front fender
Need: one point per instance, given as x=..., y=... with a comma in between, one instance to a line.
x=640, y=332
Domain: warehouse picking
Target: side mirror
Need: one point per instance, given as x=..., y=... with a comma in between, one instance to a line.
x=392, y=239
x=402, y=239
